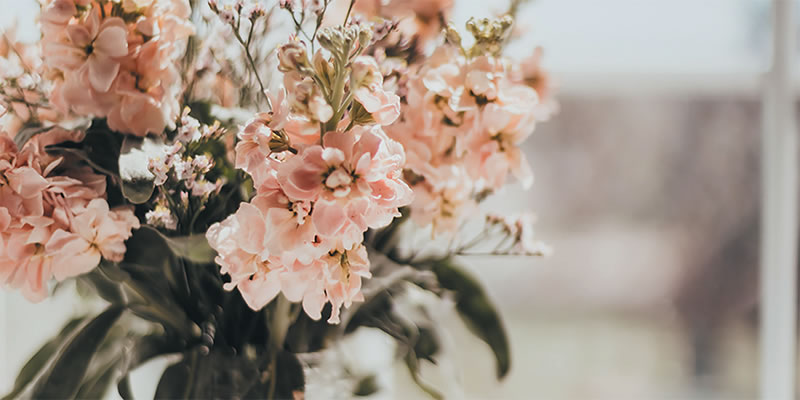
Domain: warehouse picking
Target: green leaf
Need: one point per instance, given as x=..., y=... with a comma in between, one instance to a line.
x=216, y=375
x=477, y=310
x=291, y=377
x=137, y=180
x=124, y=388
x=106, y=288
x=174, y=381
x=64, y=377
x=81, y=154
x=427, y=344
x=27, y=133
x=366, y=386
x=194, y=248
x=140, y=351
x=97, y=386
x=40, y=359
x=149, y=249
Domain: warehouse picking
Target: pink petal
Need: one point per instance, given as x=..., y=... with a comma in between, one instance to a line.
x=78, y=35
x=112, y=41
x=63, y=56
x=313, y=302
x=102, y=71
x=259, y=291
x=27, y=182
x=328, y=217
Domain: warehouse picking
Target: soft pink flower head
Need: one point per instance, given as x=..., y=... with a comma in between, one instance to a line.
x=93, y=46
x=366, y=82
x=95, y=233
x=124, y=71
x=53, y=225
x=354, y=181
x=255, y=259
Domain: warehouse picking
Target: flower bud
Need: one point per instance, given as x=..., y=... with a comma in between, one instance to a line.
x=451, y=35
x=331, y=39
x=292, y=57
x=324, y=68
x=279, y=142
x=364, y=37
x=365, y=72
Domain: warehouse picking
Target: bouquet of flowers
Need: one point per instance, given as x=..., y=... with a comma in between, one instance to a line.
x=244, y=185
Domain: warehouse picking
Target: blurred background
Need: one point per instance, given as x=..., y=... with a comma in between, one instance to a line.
x=647, y=187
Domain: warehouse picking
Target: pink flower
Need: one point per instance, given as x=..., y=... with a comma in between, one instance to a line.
x=417, y=17
x=366, y=82
x=261, y=136
x=25, y=264
x=148, y=94
x=56, y=15
x=354, y=182
x=92, y=45
x=124, y=71
x=240, y=242
x=301, y=234
x=335, y=278
x=53, y=225
x=494, y=143
x=95, y=233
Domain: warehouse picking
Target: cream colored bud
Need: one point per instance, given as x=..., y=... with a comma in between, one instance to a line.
x=451, y=35
x=364, y=37
x=292, y=57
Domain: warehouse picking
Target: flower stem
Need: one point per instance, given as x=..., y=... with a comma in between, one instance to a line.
x=246, y=45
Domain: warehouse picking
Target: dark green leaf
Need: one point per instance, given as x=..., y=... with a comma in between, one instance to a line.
x=367, y=386
x=81, y=155
x=150, y=258
x=476, y=310
x=137, y=180
x=107, y=289
x=194, y=248
x=39, y=360
x=64, y=377
x=216, y=375
x=124, y=388
x=291, y=377
x=138, y=352
x=26, y=133
x=174, y=383
x=97, y=386
x=137, y=191
x=427, y=344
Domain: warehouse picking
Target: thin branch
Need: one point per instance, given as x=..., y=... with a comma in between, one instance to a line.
x=252, y=62
x=347, y=16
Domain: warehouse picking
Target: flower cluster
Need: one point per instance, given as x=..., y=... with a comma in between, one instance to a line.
x=268, y=189
x=317, y=191
x=22, y=88
x=117, y=60
x=54, y=219
x=465, y=114
x=180, y=171
x=421, y=18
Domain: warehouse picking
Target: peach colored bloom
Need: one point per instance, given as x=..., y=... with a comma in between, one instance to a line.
x=417, y=17
x=93, y=45
x=354, y=182
x=53, y=225
x=95, y=233
x=366, y=82
x=124, y=71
